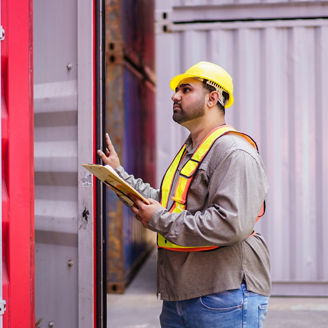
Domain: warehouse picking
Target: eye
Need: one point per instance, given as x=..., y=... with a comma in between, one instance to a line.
x=186, y=89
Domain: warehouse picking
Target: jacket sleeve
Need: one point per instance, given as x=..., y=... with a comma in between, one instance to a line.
x=236, y=191
x=144, y=188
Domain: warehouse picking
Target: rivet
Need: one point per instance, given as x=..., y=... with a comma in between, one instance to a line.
x=69, y=67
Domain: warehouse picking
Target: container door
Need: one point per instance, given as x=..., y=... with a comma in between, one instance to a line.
x=1, y=300
x=64, y=139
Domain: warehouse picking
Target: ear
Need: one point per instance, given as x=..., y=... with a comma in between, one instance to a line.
x=213, y=99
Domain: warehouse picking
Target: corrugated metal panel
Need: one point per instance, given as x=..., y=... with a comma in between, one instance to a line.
x=184, y=3
x=63, y=99
x=278, y=70
x=55, y=101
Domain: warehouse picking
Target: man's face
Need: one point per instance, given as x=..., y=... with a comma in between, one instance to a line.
x=188, y=101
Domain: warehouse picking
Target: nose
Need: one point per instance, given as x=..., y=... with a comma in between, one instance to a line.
x=176, y=97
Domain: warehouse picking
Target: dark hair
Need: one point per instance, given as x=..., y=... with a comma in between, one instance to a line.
x=210, y=88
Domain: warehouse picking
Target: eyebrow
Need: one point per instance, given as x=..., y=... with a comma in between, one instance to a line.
x=182, y=86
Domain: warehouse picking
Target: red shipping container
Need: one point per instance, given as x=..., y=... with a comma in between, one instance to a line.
x=17, y=163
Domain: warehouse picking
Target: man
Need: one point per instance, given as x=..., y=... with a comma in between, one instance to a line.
x=213, y=269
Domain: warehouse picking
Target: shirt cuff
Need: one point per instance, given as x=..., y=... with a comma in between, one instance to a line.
x=154, y=222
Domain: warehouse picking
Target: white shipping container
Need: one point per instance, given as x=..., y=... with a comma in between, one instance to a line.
x=280, y=75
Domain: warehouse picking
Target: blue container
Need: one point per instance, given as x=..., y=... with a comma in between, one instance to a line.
x=130, y=118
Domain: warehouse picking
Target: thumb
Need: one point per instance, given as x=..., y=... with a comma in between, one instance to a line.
x=153, y=201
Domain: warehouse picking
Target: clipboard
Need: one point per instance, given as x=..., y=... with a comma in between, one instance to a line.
x=111, y=179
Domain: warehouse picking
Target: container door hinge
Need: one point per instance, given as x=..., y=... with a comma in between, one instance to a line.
x=2, y=307
x=2, y=33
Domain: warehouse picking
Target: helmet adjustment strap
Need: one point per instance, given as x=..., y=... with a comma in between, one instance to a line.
x=222, y=99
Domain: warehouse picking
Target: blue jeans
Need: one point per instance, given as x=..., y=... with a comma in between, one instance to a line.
x=236, y=308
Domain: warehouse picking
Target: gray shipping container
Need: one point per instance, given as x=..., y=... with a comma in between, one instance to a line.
x=82, y=52
x=64, y=136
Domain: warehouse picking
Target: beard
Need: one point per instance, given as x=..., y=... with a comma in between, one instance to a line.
x=192, y=112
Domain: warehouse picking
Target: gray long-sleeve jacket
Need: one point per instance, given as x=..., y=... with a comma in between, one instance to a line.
x=223, y=203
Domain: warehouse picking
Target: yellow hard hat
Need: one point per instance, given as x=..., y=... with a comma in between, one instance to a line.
x=210, y=72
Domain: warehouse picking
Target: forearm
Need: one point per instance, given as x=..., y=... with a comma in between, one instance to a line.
x=144, y=188
x=203, y=228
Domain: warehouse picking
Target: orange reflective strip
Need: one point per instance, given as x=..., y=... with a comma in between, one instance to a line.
x=189, y=249
x=169, y=177
x=185, y=192
x=173, y=210
x=248, y=138
x=262, y=210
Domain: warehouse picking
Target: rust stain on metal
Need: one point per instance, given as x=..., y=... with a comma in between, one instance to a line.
x=126, y=53
x=114, y=123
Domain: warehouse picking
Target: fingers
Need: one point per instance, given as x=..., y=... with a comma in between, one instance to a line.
x=109, y=156
x=109, y=144
x=138, y=203
x=152, y=201
x=134, y=210
x=101, y=155
x=137, y=207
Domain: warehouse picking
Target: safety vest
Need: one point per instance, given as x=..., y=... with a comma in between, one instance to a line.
x=184, y=181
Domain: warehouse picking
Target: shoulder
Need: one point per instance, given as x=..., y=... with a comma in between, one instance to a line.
x=230, y=143
x=230, y=146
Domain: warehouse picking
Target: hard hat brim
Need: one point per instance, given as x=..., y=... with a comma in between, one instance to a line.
x=177, y=79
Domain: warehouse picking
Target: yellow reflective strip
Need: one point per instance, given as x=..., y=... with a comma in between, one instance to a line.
x=179, y=208
x=162, y=242
x=209, y=140
x=169, y=176
x=189, y=168
x=180, y=189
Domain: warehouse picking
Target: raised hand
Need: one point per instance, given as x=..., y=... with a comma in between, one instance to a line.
x=110, y=158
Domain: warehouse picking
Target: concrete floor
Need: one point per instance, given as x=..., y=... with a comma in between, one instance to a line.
x=140, y=308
